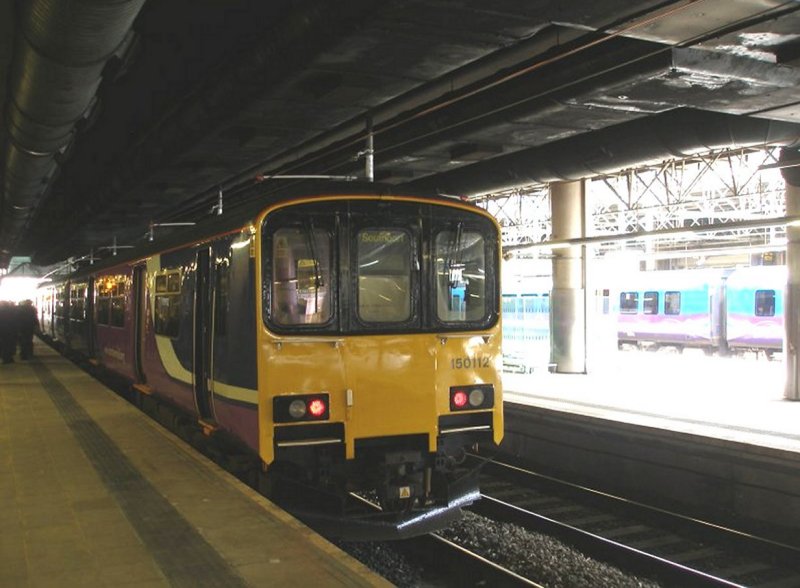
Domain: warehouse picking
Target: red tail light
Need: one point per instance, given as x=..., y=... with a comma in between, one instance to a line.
x=459, y=399
x=317, y=407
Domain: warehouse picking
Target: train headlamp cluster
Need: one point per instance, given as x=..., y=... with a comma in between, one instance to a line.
x=472, y=397
x=298, y=408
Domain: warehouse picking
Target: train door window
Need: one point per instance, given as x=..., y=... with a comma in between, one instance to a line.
x=103, y=304
x=118, y=305
x=765, y=303
x=650, y=302
x=384, y=275
x=221, y=300
x=629, y=302
x=460, y=256
x=167, y=312
x=110, y=301
x=77, y=303
x=61, y=307
x=301, y=284
x=672, y=303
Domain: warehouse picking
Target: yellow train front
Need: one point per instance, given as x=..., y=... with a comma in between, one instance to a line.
x=379, y=345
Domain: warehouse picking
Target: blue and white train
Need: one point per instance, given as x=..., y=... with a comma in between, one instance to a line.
x=724, y=311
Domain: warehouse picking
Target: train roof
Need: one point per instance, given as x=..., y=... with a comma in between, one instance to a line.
x=238, y=216
x=759, y=276
x=667, y=279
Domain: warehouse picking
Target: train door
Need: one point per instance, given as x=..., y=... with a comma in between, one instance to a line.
x=202, y=335
x=139, y=313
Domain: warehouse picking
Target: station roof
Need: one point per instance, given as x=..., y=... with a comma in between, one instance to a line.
x=119, y=114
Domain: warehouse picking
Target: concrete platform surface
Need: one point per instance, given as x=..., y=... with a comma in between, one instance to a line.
x=94, y=493
x=731, y=398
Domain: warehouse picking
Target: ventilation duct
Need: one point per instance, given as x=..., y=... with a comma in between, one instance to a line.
x=60, y=53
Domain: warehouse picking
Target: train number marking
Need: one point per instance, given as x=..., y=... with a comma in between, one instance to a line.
x=466, y=363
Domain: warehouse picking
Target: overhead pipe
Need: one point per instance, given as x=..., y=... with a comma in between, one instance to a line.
x=678, y=133
x=61, y=51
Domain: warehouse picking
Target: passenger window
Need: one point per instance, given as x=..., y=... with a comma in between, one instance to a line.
x=301, y=286
x=103, y=306
x=167, y=311
x=460, y=276
x=77, y=302
x=672, y=303
x=110, y=305
x=384, y=275
x=650, y=303
x=118, y=310
x=629, y=302
x=765, y=303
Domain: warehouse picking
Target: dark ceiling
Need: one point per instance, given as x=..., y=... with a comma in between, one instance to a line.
x=123, y=112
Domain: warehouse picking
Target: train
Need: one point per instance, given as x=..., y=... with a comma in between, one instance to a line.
x=722, y=311
x=350, y=339
x=526, y=324
x=725, y=311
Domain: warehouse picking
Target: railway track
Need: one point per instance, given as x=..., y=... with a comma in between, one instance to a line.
x=668, y=548
x=447, y=563
x=480, y=552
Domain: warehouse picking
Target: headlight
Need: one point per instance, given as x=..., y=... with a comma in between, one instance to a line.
x=476, y=397
x=297, y=409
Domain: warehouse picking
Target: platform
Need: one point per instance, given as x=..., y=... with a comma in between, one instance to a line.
x=732, y=398
x=94, y=493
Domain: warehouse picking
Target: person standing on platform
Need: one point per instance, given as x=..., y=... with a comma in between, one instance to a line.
x=27, y=325
x=8, y=331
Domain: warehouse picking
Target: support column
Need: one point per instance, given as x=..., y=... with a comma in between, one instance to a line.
x=791, y=305
x=568, y=299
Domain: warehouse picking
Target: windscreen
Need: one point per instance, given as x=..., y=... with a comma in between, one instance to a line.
x=460, y=275
x=301, y=262
x=379, y=266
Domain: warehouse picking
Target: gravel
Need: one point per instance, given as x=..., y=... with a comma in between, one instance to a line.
x=536, y=556
x=533, y=555
x=384, y=559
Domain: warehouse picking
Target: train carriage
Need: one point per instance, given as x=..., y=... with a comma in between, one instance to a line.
x=352, y=341
x=678, y=308
x=720, y=310
x=755, y=310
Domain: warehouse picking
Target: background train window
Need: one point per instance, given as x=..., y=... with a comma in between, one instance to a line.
x=765, y=303
x=650, y=302
x=460, y=275
x=301, y=287
x=167, y=311
x=384, y=275
x=672, y=302
x=629, y=302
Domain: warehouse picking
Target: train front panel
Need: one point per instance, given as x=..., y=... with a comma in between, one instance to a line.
x=379, y=339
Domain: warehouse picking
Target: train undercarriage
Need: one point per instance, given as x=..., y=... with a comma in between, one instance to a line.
x=411, y=490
